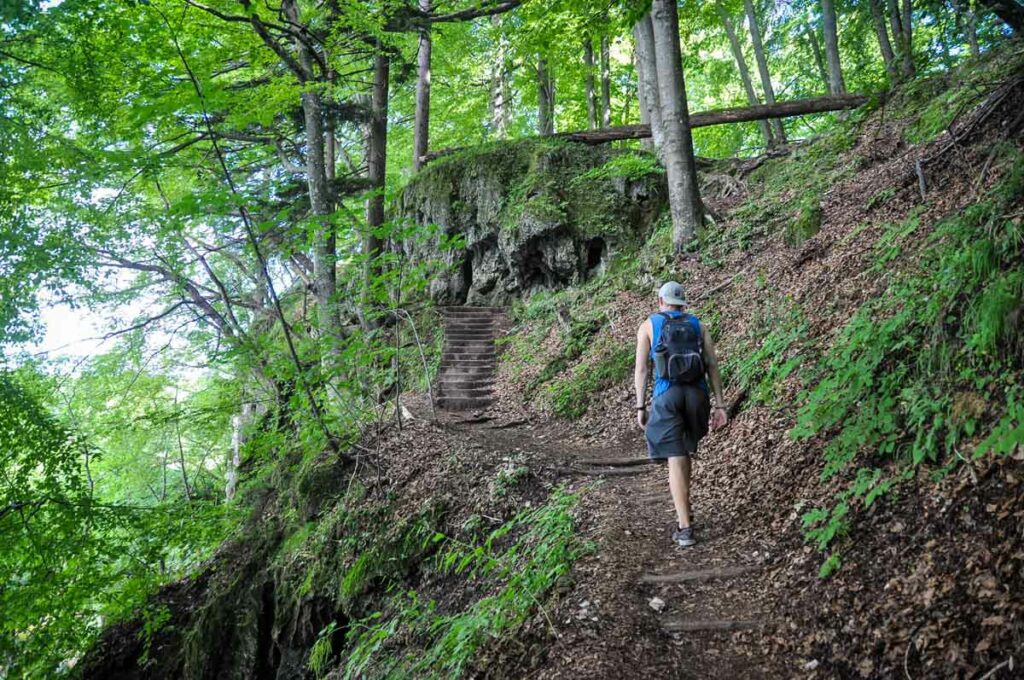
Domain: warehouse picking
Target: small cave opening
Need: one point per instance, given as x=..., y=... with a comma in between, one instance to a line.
x=268, y=655
x=596, y=248
x=467, y=276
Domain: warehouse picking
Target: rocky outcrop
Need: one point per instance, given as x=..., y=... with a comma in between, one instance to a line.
x=528, y=215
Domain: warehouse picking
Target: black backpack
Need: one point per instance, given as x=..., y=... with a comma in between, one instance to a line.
x=679, y=354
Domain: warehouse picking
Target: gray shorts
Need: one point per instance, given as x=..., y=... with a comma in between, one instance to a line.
x=677, y=421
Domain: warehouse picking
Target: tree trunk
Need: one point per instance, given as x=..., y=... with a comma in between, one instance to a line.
x=811, y=34
x=835, y=71
x=677, y=153
x=499, y=84
x=762, y=69
x=588, y=77
x=741, y=65
x=421, y=130
x=899, y=36
x=545, y=99
x=884, y=46
x=908, y=40
x=606, y=83
x=647, y=74
x=969, y=24
x=641, y=96
x=1010, y=11
x=325, y=282
x=376, y=162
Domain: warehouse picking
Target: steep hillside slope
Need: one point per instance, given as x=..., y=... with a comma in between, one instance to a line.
x=867, y=293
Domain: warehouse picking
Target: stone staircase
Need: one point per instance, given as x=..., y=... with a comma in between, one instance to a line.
x=468, y=360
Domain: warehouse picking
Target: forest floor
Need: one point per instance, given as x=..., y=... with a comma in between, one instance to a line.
x=609, y=623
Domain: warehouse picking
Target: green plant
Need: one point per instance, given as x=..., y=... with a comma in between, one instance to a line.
x=542, y=550
x=912, y=374
x=321, y=653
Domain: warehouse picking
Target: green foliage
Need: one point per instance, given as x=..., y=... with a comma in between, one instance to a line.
x=321, y=654
x=915, y=370
x=778, y=345
x=570, y=395
x=521, y=560
x=807, y=222
x=76, y=552
x=628, y=166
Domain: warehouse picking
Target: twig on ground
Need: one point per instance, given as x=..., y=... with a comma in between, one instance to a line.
x=991, y=674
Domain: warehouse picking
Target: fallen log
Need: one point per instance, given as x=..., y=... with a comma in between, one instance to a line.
x=739, y=114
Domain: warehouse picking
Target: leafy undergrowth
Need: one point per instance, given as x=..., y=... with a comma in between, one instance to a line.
x=517, y=563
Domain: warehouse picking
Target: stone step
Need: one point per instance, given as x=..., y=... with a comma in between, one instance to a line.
x=463, y=346
x=456, y=357
x=479, y=364
x=466, y=309
x=465, y=370
x=468, y=342
x=464, y=391
x=463, y=382
x=463, y=404
x=471, y=333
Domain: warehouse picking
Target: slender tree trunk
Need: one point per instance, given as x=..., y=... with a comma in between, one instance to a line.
x=545, y=99
x=641, y=96
x=588, y=77
x=421, y=130
x=884, y=46
x=376, y=156
x=741, y=66
x=835, y=71
x=778, y=130
x=899, y=35
x=968, y=20
x=499, y=83
x=811, y=34
x=647, y=74
x=971, y=29
x=606, y=83
x=325, y=282
x=908, y=40
x=677, y=153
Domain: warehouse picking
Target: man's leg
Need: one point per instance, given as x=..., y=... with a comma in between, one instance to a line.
x=679, y=485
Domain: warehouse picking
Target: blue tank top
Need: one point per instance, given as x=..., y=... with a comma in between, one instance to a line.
x=657, y=324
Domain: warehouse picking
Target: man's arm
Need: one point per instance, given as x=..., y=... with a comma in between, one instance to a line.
x=641, y=366
x=711, y=366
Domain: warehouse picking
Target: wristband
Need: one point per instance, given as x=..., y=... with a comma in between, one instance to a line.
x=641, y=408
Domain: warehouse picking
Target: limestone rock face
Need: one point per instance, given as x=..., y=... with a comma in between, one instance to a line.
x=528, y=215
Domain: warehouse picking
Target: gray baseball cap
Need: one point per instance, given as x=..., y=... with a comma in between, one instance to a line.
x=672, y=294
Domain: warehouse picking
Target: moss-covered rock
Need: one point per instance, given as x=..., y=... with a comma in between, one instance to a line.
x=531, y=214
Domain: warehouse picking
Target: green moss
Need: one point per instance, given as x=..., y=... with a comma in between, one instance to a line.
x=807, y=222
x=547, y=181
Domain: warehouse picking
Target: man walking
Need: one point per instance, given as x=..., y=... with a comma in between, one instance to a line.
x=684, y=359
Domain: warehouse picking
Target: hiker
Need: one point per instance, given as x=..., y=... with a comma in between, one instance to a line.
x=684, y=359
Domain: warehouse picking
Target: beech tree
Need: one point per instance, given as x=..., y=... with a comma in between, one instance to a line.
x=762, y=69
x=744, y=71
x=836, y=85
x=677, y=141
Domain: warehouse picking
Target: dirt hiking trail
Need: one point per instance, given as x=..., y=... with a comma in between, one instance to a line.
x=636, y=604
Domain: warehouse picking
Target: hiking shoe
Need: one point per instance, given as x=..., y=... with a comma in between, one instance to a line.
x=684, y=537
